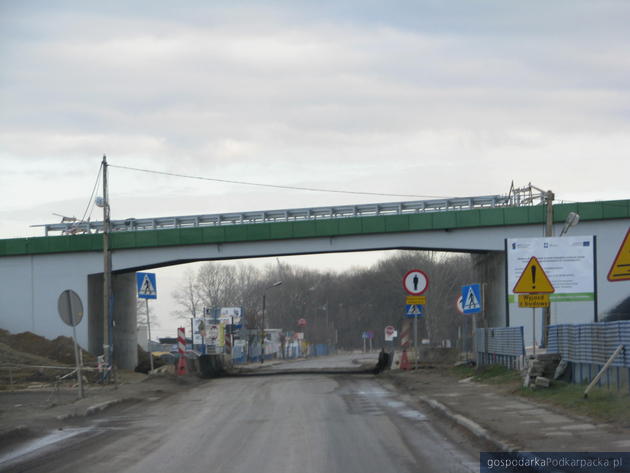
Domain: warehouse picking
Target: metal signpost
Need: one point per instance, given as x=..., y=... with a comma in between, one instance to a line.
x=533, y=284
x=70, y=310
x=367, y=335
x=472, y=304
x=415, y=283
x=147, y=289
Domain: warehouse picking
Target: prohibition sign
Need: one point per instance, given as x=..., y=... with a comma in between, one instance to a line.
x=415, y=282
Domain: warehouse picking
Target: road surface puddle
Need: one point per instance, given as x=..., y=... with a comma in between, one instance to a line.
x=376, y=401
x=47, y=440
x=412, y=414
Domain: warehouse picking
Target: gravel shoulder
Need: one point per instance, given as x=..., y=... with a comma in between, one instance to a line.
x=33, y=412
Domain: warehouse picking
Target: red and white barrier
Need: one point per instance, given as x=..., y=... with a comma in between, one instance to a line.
x=228, y=343
x=405, y=342
x=181, y=348
x=405, y=334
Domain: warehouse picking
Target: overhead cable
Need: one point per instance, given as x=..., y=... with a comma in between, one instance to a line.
x=90, y=205
x=276, y=186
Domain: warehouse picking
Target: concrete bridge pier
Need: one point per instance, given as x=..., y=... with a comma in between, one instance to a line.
x=489, y=268
x=125, y=340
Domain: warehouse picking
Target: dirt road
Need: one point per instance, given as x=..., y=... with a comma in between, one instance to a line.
x=290, y=423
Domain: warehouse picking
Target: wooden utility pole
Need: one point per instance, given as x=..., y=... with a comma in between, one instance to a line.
x=549, y=197
x=107, y=275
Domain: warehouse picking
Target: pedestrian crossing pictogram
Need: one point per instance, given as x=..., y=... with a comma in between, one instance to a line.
x=146, y=285
x=471, y=299
x=414, y=310
x=471, y=302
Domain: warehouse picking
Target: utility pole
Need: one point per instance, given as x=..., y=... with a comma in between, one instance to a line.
x=262, y=325
x=262, y=331
x=149, y=335
x=549, y=197
x=107, y=275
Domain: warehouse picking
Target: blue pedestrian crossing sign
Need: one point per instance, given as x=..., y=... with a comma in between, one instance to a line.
x=147, y=289
x=414, y=310
x=471, y=298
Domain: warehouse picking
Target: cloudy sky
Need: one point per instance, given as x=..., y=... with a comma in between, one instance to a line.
x=422, y=98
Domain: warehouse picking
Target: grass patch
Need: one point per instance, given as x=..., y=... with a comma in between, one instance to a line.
x=492, y=374
x=602, y=404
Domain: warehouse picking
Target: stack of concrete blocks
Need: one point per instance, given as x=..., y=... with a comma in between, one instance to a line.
x=540, y=370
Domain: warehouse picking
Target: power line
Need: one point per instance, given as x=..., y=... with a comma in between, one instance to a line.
x=275, y=186
x=313, y=189
x=91, y=201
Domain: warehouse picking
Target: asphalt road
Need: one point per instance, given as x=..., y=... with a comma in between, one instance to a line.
x=268, y=424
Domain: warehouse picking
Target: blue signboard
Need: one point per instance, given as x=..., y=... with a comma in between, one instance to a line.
x=147, y=288
x=471, y=299
x=414, y=310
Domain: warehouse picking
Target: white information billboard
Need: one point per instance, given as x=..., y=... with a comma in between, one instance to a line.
x=230, y=315
x=568, y=262
x=199, y=331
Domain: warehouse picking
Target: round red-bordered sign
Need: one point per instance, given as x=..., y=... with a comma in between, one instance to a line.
x=460, y=305
x=415, y=282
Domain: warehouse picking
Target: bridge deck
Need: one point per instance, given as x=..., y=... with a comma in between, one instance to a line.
x=320, y=225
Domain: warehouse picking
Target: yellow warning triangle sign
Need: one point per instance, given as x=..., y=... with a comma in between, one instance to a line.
x=533, y=279
x=620, y=269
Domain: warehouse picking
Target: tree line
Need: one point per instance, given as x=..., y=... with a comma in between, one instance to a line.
x=337, y=307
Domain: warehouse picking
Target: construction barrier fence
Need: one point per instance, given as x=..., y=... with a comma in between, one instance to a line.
x=500, y=346
x=587, y=347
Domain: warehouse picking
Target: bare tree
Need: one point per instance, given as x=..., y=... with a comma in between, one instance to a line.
x=187, y=297
x=336, y=306
x=141, y=314
x=216, y=284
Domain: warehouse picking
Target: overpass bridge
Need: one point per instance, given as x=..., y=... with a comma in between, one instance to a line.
x=34, y=271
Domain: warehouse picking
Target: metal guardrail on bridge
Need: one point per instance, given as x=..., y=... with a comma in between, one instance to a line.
x=285, y=215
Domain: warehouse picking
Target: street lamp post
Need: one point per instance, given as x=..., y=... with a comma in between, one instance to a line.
x=262, y=325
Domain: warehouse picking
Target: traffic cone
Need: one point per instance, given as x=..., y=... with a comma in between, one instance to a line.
x=404, y=361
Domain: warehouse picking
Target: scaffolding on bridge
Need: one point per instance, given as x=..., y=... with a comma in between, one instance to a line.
x=527, y=195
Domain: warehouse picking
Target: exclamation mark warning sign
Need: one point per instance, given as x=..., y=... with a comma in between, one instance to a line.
x=533, y=280
x=533, y=269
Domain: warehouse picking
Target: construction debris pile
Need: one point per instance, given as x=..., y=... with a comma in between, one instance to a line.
x=27, y=358
x=541, y=370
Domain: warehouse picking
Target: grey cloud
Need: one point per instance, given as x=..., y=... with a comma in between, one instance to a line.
x=313, y=92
